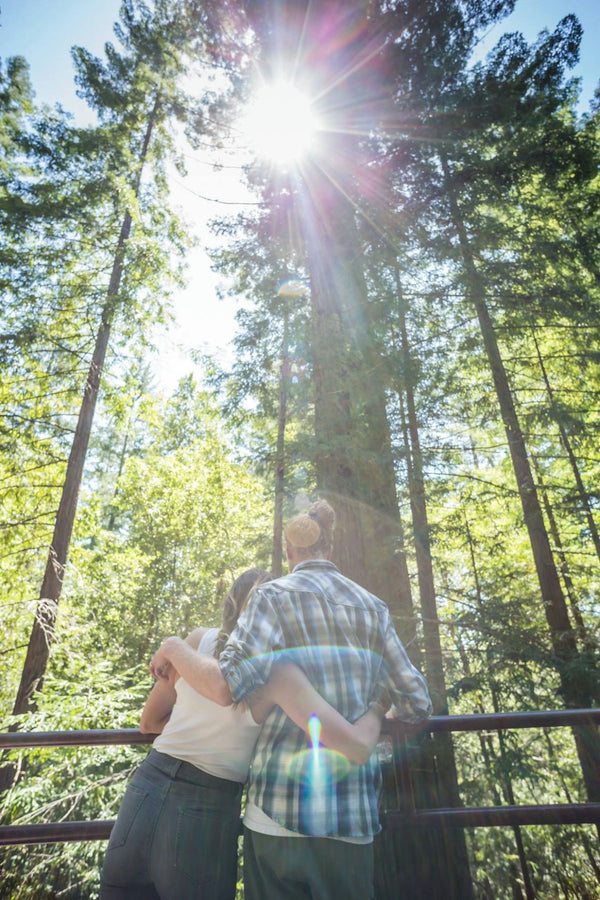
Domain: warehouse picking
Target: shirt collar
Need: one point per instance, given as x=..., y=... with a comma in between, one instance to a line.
x=315, y=564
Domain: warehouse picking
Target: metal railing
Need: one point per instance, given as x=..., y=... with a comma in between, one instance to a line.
x=546, y=814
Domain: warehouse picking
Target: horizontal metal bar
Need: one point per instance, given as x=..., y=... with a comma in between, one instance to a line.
x=478, y=722
x=553, y=718
x=98, y=737
x=565, y=814
x=468, y=817
x=562, y=814
x=60, y=832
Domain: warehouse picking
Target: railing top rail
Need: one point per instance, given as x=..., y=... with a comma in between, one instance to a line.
x=473, y=722
x=551, y=718
x=93, y=737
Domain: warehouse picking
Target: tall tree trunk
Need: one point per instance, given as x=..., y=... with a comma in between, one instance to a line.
x=575, y=691
x=422, y=541
x=353, y=453
x=443, y=747
x=506, y=783
x=566, y=442
x=355, y=470
x=413, y=633
x=42, y=633
x=277, y=548
x=564, y=569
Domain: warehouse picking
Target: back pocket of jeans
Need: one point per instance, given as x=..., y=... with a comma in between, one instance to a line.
x=128, y=813
x=206, y=847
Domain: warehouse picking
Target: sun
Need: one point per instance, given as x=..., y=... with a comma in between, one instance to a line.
x=279, y=123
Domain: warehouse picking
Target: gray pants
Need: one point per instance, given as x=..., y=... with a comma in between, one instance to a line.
x=307, y=868
x=175, y=837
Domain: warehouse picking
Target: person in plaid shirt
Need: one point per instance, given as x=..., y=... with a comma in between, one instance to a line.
x=309, y=829
x=304, y=839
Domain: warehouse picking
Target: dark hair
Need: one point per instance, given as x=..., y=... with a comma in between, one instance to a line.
x=235, y=601
x=312, y=531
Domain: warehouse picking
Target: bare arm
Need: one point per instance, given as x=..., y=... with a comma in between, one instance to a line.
x=200, y=671
x=157, y=709
x=289, y=688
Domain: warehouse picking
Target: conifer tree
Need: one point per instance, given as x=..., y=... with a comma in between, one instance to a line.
x=138, y=97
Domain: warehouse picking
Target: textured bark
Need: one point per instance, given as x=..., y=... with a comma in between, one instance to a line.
x=353, y=447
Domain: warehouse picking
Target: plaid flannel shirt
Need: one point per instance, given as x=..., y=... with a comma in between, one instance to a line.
x=343, y=638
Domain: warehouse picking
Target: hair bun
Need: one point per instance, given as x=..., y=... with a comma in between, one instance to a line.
x=303, y=531
x=322, y=513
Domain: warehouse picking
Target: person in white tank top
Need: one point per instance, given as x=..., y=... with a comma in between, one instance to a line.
x=176, y=834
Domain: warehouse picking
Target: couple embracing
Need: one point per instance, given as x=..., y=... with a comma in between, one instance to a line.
x=311, y=647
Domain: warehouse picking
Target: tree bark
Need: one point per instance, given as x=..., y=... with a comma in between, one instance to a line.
x=506, y=783
x=566, y=442
x=443, y=747
x=277, y=548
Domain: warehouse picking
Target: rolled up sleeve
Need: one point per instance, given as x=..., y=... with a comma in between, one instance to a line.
x=406, y=688
x=253, y=645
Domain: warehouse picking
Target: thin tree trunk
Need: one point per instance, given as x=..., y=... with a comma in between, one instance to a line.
x=122, y=455
x=506, y=782
x=410, y=628
x=418, y=504
x=42, y=634
x=277, y=551
x=565, y=572
x=443, y=745
x=566, y=442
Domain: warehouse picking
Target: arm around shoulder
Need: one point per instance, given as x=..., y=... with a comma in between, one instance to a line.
x=200, y=671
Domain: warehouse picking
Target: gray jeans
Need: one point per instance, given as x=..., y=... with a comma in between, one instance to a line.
x=307, y=868
x=175, y=837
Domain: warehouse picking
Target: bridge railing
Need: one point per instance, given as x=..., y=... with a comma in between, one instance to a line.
x=545, y=814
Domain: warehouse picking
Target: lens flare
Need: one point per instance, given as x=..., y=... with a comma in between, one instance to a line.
x=317, y=768
x=314, y=729
x=328, y=764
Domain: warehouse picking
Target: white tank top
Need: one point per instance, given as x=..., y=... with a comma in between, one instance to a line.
x=217, y=739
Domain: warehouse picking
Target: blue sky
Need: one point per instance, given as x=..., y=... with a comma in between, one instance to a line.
x=44, y=32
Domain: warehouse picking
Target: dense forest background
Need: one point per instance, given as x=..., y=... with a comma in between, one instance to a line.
x=417, y=340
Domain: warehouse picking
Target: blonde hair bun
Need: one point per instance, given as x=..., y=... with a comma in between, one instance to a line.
x=312, y=529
